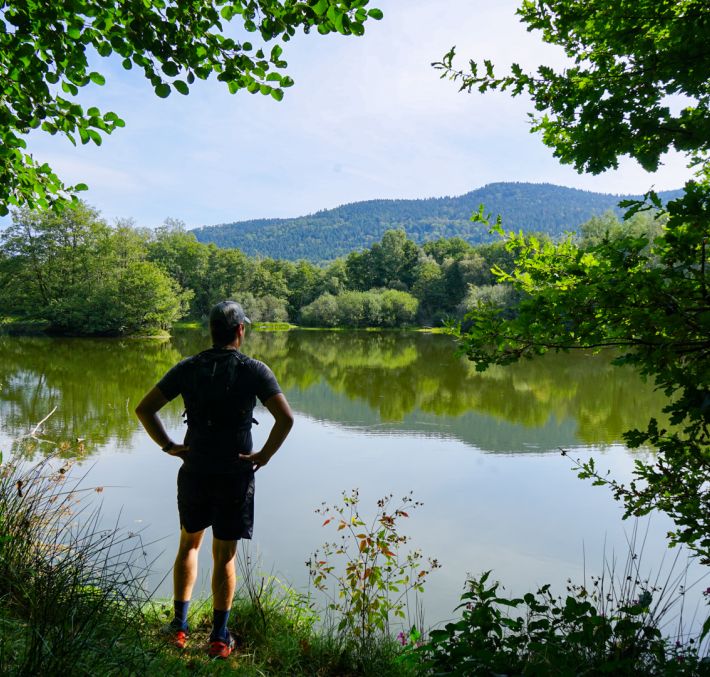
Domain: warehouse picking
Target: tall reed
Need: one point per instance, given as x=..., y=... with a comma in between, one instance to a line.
x=71, y=590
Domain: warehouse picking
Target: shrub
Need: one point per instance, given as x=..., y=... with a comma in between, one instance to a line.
x=597, y=631
x=372, y=575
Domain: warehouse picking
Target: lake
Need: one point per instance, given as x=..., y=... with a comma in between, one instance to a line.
x=378, y=411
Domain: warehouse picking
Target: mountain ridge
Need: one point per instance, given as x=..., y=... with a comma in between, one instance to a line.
x=330, y=233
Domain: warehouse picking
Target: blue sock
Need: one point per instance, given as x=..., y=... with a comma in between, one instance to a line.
x=180, y=620
x=219, y=626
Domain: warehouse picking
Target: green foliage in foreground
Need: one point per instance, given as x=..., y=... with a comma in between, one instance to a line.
x=71, y=601
x=589, y=632
x=372, y=575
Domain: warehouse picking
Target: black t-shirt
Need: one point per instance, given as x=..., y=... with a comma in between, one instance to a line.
x=218, y=451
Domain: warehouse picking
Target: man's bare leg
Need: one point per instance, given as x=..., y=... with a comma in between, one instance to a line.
x=185, y=569
x=224, y=577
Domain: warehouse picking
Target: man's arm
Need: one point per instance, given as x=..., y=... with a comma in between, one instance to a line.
x=147, y=412
x=283, y=422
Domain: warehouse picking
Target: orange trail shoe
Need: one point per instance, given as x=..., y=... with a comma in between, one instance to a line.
x=180, y=639
x=221, y=648
x=177, y=636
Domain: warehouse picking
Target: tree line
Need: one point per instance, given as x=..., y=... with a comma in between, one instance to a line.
x=80, y=275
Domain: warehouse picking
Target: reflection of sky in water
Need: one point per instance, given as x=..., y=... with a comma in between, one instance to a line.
x=524, y=515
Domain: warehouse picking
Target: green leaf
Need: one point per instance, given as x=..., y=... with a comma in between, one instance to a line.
x=170, y=69
x=375, y=14
x=277, y=94
x=321, y=7
x=70, y=88
x=127, y=64
x=181, y=87
x=97, y=78
x=162, y=90
x=80, y=187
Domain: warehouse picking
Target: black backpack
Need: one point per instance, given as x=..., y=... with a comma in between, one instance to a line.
x=216, y=400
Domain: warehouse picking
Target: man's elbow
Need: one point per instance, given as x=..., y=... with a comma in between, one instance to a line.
x=286, y=420
x=144, y=411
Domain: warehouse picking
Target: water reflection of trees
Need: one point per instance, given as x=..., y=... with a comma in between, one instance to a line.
x=95, y=384
x=396, y=374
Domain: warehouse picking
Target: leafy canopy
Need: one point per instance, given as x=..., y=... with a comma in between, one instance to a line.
x=649, y=295
x=47, y=48
x=626, y=60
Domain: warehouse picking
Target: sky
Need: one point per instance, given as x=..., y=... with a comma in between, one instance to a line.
x=368, y=118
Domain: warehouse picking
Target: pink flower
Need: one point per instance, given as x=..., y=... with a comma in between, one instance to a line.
x=402, y=639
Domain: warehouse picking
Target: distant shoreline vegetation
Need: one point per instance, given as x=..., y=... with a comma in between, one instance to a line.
x=74, y=274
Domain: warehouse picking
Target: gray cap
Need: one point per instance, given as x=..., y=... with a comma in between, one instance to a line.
x=228, y=314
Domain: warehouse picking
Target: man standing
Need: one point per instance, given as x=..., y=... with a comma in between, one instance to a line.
x=216, y=481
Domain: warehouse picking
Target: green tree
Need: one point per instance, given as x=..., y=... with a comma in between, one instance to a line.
x=392, y=262
x=651, y=299
x=229, y=273
x=322, y=312
x=628, y=58
x=607, y=226
x=81, y=276
x=47, y=49
x=430, y=289
x=455, y=248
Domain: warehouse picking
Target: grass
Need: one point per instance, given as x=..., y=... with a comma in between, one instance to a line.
x=273, y=326
x=270, y=641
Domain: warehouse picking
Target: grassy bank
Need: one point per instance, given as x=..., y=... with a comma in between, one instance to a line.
x=272, y=638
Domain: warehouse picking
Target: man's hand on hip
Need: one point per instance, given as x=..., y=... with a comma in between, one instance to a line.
x=257, y=460
x=179, y=450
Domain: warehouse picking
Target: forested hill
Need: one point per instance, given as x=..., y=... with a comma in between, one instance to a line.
x=330, y=233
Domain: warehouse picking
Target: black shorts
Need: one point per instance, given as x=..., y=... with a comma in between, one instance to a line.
x=225, y=502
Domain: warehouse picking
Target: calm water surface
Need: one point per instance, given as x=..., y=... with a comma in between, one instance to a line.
x=383, y=412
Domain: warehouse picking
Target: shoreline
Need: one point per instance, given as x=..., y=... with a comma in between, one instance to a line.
x=16, y=327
